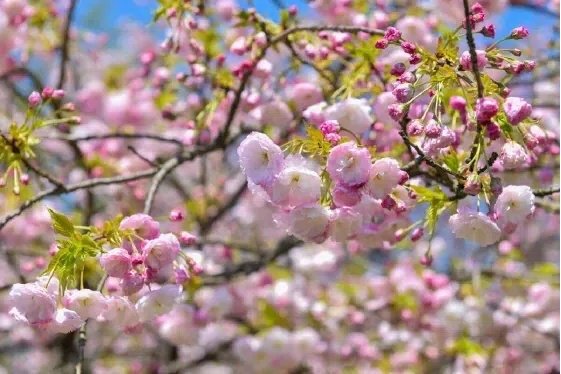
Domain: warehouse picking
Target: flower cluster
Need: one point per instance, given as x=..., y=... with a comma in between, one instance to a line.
x=351, y=186
x=145, y=257
x=367, y=199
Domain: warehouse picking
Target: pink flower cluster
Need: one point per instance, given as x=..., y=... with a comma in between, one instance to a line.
x=146, y=253
x=369, y=202
x=145, y=257
x=513, y=207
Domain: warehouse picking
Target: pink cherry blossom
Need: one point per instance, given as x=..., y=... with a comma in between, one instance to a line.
x=349, y=164
x=116, y=262
x=514, y=205
x=160, y=252
x=352, y=114
x=142, y=224
x=385, y=175
x=476, y=227
x=261, y=159
x=32, y=303
x=517, y=110
x=158, y=302
x=296, y=186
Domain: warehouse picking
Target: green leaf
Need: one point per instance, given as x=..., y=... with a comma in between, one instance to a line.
x=405, y=300
x=110, y=231
x=269, y=316
x=447, y=47
x=70, y=260
x=425, y=194
x=61, y=224
x=467, y=347
x=546, y=269
x=313, y=144
x=438, y=203
x=452, y=161
x=165, y=98
x=279, y=272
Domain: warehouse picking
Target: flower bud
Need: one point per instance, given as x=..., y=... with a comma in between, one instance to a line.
x=415, y=128
x=433, y=129
x=519, y=33
x=34, y=99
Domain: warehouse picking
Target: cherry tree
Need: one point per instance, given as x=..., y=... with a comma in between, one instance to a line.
x=351, y=186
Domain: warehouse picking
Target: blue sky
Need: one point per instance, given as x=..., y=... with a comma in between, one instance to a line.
x=106, y=14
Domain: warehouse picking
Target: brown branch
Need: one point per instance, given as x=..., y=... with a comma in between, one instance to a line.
x=423, y=157
x=65, y=55
x=90, y=183
x=117, y=135
x=30, y=166
x=479, y=83
x=248, y=267
x=209, y=222
x=546, y=192
x=163, y=171
x=22, y=70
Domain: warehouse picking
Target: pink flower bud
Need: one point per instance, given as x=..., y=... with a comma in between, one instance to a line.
x=34, y=99
x=407, y=77
x=187, y=239
x=472, y=185
x=176, y=215
x=395, y=111
x=47, y=93
x=433, y=129
x=415, y=128
x=392, y=34
x=415, y=59
x=417, y=234
x=403, y=177
x=292, y=10
x=388, y=202
x=486, y=108
x=477, y=8
x=519, y=33
x=403, y=92
x=458, y=103
x=493, y=130
x=426, y=260
x=398, y=69
x=260, y=39
x=381, y=43
x=408, y=47
x=488, y=31
x=517, y=110
x=465, y=59
x=58, y=94
x=24, y=179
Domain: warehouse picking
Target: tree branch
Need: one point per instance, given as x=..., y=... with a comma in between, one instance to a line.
x=65, y=55
x=546, y=192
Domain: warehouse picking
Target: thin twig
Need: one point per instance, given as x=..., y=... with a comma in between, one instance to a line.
x=248, y=267
x=118, y=135
x=64, y=53
x=75, y=187
x=278, y=39
x=479, y=83
x=210, y=221
x=546, y=192
x=164, y=170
